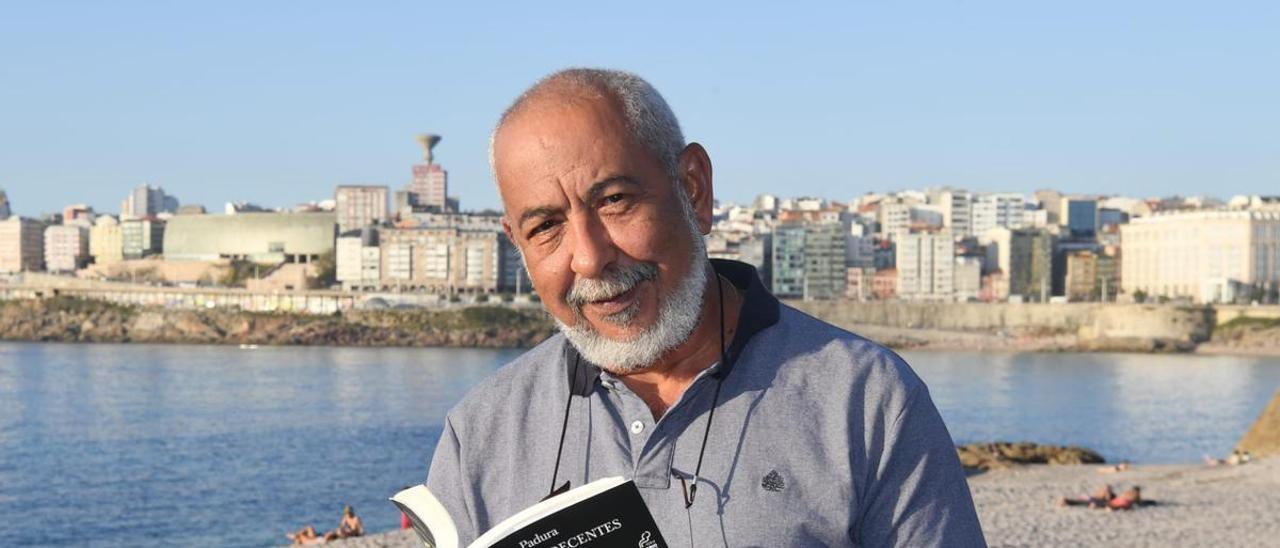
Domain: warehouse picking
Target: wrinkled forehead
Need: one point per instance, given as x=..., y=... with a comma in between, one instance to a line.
x=560, y=139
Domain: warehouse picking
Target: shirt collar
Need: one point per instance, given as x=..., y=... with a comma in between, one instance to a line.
x=760, y=310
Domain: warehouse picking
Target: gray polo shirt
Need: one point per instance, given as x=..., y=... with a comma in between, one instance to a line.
x=820, y=438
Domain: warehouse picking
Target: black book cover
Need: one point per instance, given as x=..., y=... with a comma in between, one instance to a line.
x=617, y=517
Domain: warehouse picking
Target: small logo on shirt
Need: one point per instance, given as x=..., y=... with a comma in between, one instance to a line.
x=773, y=482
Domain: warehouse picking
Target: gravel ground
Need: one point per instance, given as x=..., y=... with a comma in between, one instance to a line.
x=1197, y=506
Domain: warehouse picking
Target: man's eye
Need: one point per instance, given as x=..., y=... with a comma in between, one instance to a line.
x=545, y=226
x=614, y=198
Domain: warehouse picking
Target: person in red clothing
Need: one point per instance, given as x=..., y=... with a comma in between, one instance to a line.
x=1127, y=500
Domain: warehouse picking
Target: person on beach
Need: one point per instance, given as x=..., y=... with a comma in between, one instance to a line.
x=1097, y=499
x=1107, y=499
x=1127, y=500
x=306, y=535
x=1115, y=468
x=742, y=421
x=351, y=525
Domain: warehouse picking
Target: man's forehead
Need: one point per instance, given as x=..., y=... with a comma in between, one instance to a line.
x=552, y=123
x=573, y=142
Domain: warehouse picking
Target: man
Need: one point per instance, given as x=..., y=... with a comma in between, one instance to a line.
x=742, y=421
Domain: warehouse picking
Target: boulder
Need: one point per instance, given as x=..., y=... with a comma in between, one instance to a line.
x=1263, y=439
x=988, y=456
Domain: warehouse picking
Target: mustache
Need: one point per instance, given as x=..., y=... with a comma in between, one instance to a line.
x=617, y=279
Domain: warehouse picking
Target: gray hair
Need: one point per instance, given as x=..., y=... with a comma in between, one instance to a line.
x=649, y=119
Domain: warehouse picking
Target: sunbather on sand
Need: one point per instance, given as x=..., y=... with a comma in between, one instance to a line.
x=1127, y=500
x=1097, y=499
x=1114, y=468
x=306, y=535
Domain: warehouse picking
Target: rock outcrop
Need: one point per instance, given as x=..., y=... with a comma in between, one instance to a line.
x=988, y=456
x=1263, y=440
x=74, y=320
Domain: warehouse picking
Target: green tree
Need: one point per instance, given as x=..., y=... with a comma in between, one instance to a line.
x=326, y=270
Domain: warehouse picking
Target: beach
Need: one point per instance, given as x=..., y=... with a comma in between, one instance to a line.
x=1195, y=506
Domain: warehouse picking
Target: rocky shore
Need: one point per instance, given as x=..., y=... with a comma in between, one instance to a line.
x=66, y=319
x=1001, y=455
x=74, y=320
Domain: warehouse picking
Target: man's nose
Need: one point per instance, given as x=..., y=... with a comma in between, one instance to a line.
x=593, y=248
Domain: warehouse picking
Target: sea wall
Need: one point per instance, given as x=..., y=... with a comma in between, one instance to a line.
x=1097, y=326
x=1010, y=327
x=1227, y=313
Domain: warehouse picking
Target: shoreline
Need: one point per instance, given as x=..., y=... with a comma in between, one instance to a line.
x=937, y=340
x=71, y=320
x=1196, y=506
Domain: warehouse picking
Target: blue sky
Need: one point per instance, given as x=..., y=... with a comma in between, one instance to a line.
x=278, y=102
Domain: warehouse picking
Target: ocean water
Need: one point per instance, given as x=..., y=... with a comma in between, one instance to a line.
x=149, y=445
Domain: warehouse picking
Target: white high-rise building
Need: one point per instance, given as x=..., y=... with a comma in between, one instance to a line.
x=146, y=201
x=1206, y=256
x=66, y=248
x=998, y=210
x=894, y=218
x=926, y=265
x=359, y=260
x=956, y=207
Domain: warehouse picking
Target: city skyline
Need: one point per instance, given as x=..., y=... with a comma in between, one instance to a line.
x=310, y=202
x=280, y=107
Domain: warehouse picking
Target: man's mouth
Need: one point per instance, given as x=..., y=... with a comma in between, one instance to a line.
x=616, y=303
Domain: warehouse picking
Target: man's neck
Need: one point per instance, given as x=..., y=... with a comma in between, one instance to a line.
x=661, y=385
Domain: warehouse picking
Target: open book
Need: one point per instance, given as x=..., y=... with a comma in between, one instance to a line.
x=607, y=510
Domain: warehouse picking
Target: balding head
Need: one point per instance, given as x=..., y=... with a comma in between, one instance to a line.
x=649, y=121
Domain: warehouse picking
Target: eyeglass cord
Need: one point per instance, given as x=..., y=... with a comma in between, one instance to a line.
x=690, y=490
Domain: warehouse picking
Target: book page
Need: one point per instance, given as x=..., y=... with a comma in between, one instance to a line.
x=430, y=519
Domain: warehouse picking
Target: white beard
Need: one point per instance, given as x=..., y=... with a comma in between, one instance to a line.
x=678, y=315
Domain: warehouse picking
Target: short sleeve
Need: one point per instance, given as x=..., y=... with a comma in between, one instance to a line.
x=448, y=482
x=918, y=495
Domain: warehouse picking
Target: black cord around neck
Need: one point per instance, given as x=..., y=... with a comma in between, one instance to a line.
x=692, y=490
x=564, y=427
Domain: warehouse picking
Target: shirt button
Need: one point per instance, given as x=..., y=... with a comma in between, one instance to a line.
x=637, y=427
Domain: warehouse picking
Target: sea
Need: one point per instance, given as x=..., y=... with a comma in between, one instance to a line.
x=172, y=445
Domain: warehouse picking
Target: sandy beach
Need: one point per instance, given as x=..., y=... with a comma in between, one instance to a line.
x=1197, y=506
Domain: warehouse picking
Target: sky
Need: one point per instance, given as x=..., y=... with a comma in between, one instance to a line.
x=278, y=102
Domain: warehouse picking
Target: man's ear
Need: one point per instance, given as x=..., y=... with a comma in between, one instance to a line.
x=506, y=227
x=695, y=178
